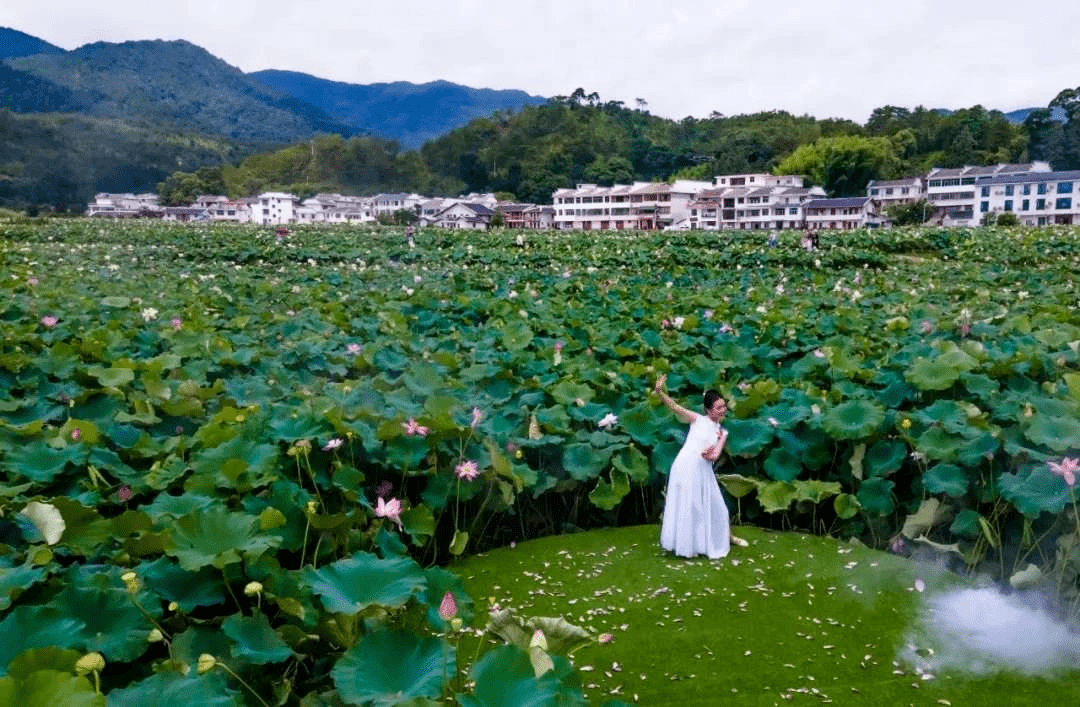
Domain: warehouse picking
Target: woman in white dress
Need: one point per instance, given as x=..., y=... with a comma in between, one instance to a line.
x=696, y=520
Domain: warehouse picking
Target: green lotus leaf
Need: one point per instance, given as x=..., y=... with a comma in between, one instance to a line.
x=875, y=496
x=949, y=413
x=217, y=537
x=505, y=677
x=46, y=520
x=938, y=444
x=737, y=485
x=28, y=627
x=812, y=446
x=816, y=490
x=782, y=465
x=703, y=372
x=569, y=392
x=351, y=585
x=748, y=438
x=966, y=524
x=884, y=457
x=168, y=506
x=39, y=462
x=976, y=450
x=663, y=456
x=631, y=461
x=583, y=461
x=1060, y=434
x=389, y=666
x=555, y=421
x=608, y=495
x=423, y=378
x=48, y=658
x=1035, y=489
x=516, y=335
x=777, y=496
x=168, y=689
x=941, y=371
x=946, y=478
x=406, y=452
x=116, y=302
x=49, y=688
x=728, y=355
x=292, y=424
x=419, y=523
x=787, y=415
x=235, y=458
x=113, y=377
x=189, y=589
x=855, y=419
x=846, y=506
x=111, y=624
x=254, y=640
x=644, y=423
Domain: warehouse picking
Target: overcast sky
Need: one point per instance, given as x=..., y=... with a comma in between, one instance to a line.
x=829, y=58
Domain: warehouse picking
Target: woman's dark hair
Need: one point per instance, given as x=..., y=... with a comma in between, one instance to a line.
x=711, y=396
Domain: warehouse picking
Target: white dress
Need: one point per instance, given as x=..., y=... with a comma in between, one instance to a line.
x=696, y=518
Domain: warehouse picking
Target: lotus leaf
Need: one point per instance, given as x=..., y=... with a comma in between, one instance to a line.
x=46, y=519
x=816, y=490
x=439, y=582
x=583, y=461
x=15, y=580
x=748, y=437
x=976, y=450
x=28, y=627
x=812, y=447
x=846, y=506
x=946, y=478
x=966, y=524
x=782, y=465
x=111, y=625
x=505, y=678
x=169, y=689
x=632, y=462
x=663, y=456
x=389, y=666
x=875, y=496
x=85, y=531
x=254, y=640
x=1058, y=433
x=855, y=419
x=419, y=523
x=114, y=377
x=931, y=513
x=777, y=496
x=643, y=423
x=1035, y=489
x=218, y=538
x=48, y=658
x=351, y=585
x=606, y=496
x=48, y=688
x=940, y=372
x=938, y=444
x=189, y=589
x=738, y=485
x=40, y=462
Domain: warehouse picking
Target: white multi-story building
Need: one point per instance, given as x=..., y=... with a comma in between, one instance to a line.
x=752, y=201
x=274, y=208
x=896, y=191
x=844, y=214
x=952, y=192
x=123, y=205
x=1036, y=198
x=641, y=205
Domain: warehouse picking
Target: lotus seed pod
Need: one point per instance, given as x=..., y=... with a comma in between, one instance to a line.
x=206, y=663
x=253, y=588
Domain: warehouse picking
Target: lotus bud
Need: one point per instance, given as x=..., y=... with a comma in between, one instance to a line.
x=456, y=623
x=131, y=581
x=206, y=663
x=448, y=607
x=154, y=636
x=253, y=588
x=906, y=423
x=173, y=606
x=311, y=507
x=90, y=663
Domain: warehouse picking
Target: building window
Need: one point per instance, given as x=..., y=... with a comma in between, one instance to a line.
x=1008, y=190
x=1027, y=189
x=986, y=191
x=1040, y=204
x=1042, y=187
x=1024, y=205
x=1064, y=202
x=1008, y=205
x=984, y=206
x=1064, y=188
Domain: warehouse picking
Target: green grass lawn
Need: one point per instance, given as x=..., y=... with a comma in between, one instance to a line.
x=791, y=619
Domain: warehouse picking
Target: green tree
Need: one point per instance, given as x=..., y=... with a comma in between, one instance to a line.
x=910, y=214
x=843, y=165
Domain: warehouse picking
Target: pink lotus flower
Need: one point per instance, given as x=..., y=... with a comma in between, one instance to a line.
x=606, y=637
x=467, y=470
x=49, y=320
x=477, y=415
x=447, y=607
x=123, y=493
x=926, y=327
x=389, y=509
x=559, y=345
x=353, y=349
x=76, y=434
x=32, y=281
x=333, y=444
x=1066, y=469
x=176, y=322
x=413, y=429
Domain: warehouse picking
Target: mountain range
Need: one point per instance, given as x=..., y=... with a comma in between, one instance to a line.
x=181, y=85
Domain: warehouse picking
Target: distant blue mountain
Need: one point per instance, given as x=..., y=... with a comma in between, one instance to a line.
x=15, y=43
x=410, y=113
x=1021, y=114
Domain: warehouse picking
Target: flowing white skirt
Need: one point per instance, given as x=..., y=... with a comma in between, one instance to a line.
x=696, y=520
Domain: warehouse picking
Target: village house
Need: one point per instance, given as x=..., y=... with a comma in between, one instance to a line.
x=466, y=216
x=952, y=192
x=641, y=205
x=183, y=214
x=896, y=191
x=752, y=201
x=845, y=214
x=123, y=205
x=274, y=208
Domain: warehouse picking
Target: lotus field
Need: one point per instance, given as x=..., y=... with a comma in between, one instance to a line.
x=236, y=468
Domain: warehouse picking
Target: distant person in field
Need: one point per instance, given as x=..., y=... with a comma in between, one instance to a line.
x=696, y=519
